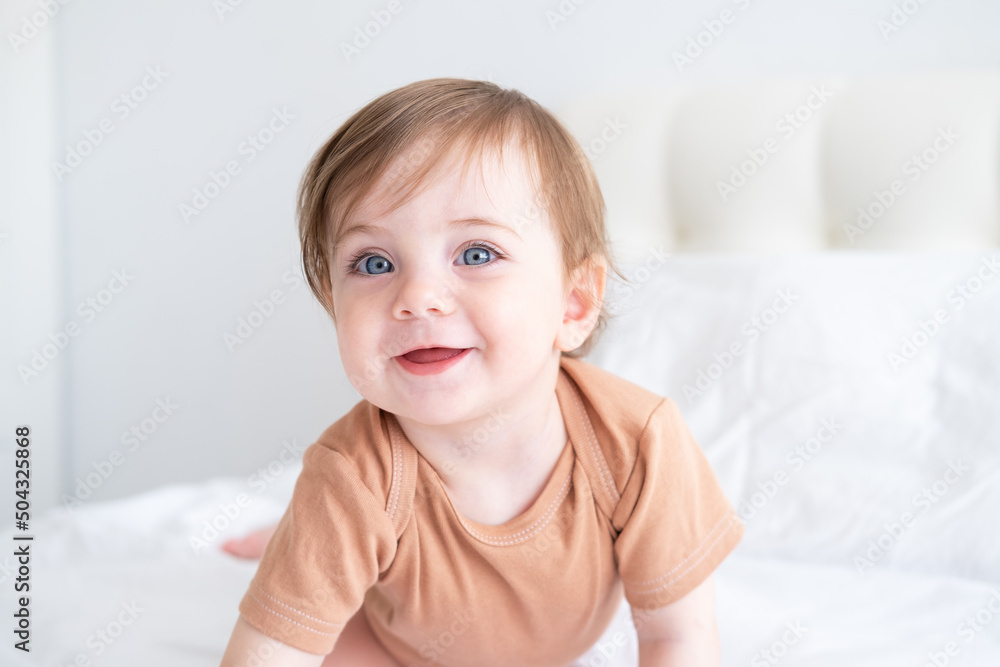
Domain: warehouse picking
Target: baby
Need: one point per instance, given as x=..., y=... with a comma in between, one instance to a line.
x=493, y=497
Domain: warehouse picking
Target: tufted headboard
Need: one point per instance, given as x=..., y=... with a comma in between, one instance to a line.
x=904, y=163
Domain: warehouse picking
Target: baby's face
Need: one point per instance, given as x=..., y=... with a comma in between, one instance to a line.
x=453, y=304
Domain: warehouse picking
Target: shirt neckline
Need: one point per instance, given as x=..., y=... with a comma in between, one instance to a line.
x=528, y=523
x=537, y=516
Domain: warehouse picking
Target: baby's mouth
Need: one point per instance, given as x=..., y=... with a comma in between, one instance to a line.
x=429, y=355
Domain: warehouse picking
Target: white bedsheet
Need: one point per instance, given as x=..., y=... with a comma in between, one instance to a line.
x=134, y=553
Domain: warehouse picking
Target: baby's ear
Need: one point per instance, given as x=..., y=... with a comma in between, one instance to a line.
x=585, y=295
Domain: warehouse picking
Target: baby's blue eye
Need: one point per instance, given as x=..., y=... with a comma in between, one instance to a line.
x=476, y=255
x=375, y=265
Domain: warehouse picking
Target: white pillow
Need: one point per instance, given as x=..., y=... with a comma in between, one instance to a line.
x=858, y=359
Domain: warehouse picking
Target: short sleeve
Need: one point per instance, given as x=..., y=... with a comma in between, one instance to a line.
x=328, y=550
x=676, y=524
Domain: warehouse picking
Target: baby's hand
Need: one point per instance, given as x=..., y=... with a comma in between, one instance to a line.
x=249, y=546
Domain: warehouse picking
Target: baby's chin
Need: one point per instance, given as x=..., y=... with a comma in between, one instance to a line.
x=430, y=411
x=430, y=407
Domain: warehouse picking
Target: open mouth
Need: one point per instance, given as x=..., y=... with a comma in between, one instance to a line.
x=429, y=355
x=431, y=360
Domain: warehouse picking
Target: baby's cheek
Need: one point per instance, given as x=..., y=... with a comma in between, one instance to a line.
x=525, y=328
x=353, y=351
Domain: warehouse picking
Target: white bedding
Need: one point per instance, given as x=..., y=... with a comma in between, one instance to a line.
x=794, y=587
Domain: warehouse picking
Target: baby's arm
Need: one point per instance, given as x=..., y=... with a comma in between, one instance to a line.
x=682, y=633
x=247, y=642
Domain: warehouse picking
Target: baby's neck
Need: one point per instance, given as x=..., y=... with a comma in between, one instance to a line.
x=500, y=466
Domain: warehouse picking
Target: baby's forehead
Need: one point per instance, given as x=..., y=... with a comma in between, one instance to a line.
x=493, y=165
x=505, y=178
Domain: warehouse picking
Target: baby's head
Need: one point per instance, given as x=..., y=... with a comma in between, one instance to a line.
x=460, y=219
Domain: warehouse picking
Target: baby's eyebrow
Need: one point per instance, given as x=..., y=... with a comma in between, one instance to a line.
x=375, y=230
x=372, y=230
x=483, y=222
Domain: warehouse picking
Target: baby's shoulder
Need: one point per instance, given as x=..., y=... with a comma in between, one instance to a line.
x=619, y=404
x=358, y=446
x=618, y=416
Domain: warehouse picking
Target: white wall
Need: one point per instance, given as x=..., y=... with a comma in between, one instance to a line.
x=161, y=336
x=32, y=253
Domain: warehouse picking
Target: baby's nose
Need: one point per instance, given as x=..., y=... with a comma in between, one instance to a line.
x=423, y=296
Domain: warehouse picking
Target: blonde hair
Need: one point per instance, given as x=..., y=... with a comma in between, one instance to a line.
x=411, y=130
